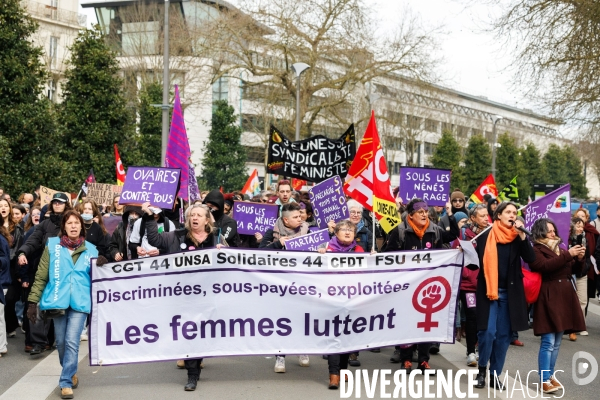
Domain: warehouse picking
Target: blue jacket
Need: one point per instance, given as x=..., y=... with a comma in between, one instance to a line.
x=63, y=280
x=5, y=279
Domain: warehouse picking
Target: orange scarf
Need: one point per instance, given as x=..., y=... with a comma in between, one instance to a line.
x=419, y=232
x=498, y=234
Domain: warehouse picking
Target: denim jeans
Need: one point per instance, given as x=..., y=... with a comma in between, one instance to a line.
x=548, y=354
x=67, y=330
x=494, y=341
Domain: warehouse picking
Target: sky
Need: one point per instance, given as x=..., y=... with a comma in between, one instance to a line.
x=473, y=61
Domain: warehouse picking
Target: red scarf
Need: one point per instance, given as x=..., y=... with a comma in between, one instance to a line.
x=71, y=244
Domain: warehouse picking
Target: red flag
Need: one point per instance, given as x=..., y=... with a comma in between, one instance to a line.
x=368, y=181
x=90, y=179
x=298, y=183
x=252, y=186
x=488, y=186
x=120, y=169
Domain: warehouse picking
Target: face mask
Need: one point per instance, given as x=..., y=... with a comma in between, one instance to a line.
x=87, y=217
x=132, y=218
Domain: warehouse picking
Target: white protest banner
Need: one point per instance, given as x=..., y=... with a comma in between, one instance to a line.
x=237, y=302
x=46, y=195
x=102, y=193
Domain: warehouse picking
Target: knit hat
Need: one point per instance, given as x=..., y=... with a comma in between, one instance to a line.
x=457, y=194
x=460, y=215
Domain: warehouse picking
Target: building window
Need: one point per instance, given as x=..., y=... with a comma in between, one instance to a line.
x=53, y=52
x=53, y=9
x=52, y=90
x=255, y=154
x=140, y=38
x=447, y=127
x=431, y=125
x=220, y=89
x=462, y=131
x=429, y=148
x=476, y=132
x=394, y=167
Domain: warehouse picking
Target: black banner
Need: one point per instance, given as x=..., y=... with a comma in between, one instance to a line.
x=314, y=159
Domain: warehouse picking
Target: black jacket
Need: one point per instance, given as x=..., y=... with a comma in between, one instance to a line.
x=432, y=239
x=95, y=236
x=225, y=224
x=171, y=242
x=517, y=306
x=118, y=241
x=35, y=244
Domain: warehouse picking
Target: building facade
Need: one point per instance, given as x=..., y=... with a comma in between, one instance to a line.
x=405, y=108
x=59, y=23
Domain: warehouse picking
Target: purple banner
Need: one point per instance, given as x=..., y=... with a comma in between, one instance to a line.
x=328, y=201
x=308, y=242
x=555, y=205
x=156, y=185
x=254, y=217
x=431, y=185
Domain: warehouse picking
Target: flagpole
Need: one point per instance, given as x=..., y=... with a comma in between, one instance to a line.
x=77, y=198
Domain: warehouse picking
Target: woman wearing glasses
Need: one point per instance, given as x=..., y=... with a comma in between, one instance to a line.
x=343, y=241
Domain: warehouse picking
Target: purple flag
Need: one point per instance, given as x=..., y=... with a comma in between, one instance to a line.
x=555, y=205
x=193, y=189
x=178, y=148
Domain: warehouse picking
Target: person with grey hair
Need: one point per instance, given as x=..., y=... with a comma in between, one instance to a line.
x=364, y=236
x=557, y=308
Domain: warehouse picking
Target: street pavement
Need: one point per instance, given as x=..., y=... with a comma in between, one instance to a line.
x=25, y=377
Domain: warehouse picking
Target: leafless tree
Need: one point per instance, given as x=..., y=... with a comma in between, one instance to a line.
x=556, y=45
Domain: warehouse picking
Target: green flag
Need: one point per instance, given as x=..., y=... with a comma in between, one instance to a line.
x=510, y=191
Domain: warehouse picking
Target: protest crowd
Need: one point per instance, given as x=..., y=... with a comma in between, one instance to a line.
x=39, y=235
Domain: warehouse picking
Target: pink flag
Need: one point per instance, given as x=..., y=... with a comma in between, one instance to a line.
x=178, y=149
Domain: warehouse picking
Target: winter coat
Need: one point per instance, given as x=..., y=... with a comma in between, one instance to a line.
x=557, y=308
x=225, y=224
x=517, y=306
x=5, y=279
x=364, y=238
x=171, y=242
x=118, y=241
x=36, y=242
x=469, y=274
x=432, y=239
x=73, y=288
x=95, y=236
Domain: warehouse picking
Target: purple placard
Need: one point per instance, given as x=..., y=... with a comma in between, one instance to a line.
x=308, y=242
x=555, y=205
x=431, y=185
x=254, y=217
x=328, y=201
x=158, y=186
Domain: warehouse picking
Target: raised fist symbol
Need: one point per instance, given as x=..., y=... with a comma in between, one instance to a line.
x=431, y=295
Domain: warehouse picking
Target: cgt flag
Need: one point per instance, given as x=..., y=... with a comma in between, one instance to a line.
x=120, y=169
x=368, y=181
x=488, y=186
x=510, y=192
x=252, y=186
x=297, y=184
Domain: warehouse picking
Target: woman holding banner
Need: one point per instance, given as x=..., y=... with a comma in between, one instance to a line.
x=500, y=296
x=65, y=295
x=198, y=233
x=343, y=242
